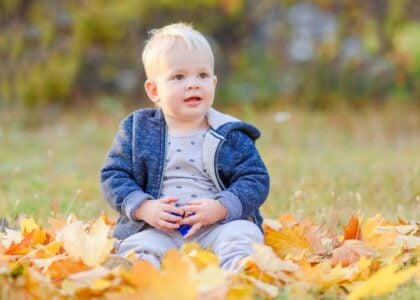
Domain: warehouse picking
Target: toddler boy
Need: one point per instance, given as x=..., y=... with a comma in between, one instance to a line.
x=183, y=164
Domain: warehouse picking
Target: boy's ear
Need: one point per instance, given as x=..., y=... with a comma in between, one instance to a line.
x=215, y=80
x=151, y=90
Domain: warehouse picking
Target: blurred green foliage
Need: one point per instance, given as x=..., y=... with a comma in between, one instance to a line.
x=313, y=53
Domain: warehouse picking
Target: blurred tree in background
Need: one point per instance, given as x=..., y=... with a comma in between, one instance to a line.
x=313, y=53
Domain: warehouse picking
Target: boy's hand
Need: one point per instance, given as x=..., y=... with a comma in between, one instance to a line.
x=206, y=212
x=157, y=213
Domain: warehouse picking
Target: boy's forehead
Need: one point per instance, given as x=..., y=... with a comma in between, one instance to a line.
x=180, y=56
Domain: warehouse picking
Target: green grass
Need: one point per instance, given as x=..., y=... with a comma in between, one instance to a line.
x=322, y=164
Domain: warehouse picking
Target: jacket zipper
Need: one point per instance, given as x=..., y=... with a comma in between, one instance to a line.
x=215, y=165
x=163, y=161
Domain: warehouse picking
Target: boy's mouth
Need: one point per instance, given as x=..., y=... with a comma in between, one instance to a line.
x=192, y=99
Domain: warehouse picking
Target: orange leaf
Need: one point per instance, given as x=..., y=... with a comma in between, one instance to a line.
x=20, y=248
x=287, y=219
x=176, y=281
x=352, y=230
x=39, y=236
x=59, y=270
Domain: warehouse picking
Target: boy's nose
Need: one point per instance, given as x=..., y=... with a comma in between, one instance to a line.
x=192, y=84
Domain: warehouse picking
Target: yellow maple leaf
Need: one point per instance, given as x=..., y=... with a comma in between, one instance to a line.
x=201, y=258
x=287, y=241
x=374, y=235
x=323, y=274
x=370, y=226
x=384, y=281
x=48, y=250
x=92, y=246
x=243, y=291
x=28, y=225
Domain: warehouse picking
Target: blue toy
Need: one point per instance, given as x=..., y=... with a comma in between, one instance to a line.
x=183, y=229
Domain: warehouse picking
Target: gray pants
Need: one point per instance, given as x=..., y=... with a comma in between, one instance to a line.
x=231, y=241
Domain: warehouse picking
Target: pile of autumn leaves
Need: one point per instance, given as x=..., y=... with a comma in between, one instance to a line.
x=298, y=259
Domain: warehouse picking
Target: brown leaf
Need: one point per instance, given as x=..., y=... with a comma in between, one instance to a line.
x=350, y=251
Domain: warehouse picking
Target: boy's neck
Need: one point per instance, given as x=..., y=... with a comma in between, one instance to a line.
x=178, y=127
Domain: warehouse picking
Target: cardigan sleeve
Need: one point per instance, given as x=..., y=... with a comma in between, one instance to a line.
x=118, y=185
x=244, y=175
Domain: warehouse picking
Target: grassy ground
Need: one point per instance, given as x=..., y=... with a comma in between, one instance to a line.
x=322, y=164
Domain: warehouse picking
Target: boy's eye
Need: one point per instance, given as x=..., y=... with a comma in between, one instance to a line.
x=179, y=77
x=204, y=75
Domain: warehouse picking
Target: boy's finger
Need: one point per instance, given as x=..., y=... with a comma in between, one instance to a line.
x=190, y=208
x=167, y=225
x=192, y=230
x=173, y=209
x=191, y=220
x=171, y=218
x=169, y=199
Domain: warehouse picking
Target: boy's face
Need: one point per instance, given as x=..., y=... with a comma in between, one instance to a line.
x=184, y=84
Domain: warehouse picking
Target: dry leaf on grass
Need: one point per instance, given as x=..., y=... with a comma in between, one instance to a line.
x=91, y=245
x=384, y=281
x=350, y=251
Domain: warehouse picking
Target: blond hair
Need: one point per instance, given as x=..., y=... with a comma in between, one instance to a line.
x=164, y=39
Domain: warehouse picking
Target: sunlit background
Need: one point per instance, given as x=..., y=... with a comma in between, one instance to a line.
x=314, y=53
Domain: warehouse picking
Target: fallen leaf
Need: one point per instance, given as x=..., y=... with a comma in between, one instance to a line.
x=409, y=241
x=22, y=247
x=243, y=291
x=382, y=240
x=91, y=246
x=267, y=261
x=287, y=241
x=270, y=290
x=350, y=251
x=352, y=229
x=370, y=226
x=176, y=281
x=201, y=258
x=61, y=269
x=287, y=219
x=384, y=281
x=28, y=225
x=9, y=237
